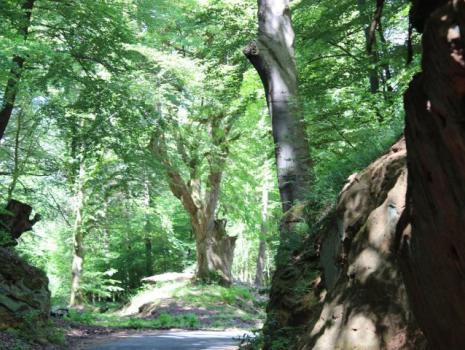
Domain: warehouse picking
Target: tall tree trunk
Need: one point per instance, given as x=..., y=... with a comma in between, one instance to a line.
x=373, y=73
x=16, y=172
x=386, y=76
x=432, y=229
x=77, y=297
x=272, y=55
x=148, y=231
x=11, y=90
x=260, y=271
x=132, y=278
x=148, y=257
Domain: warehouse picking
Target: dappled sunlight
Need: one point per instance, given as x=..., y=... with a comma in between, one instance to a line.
x=367, y=308
x=178, y=165
x=211, y=306
x=360, y=332
x=192, y=340
x=366, y=263
x=151, y=295
x=328, y=326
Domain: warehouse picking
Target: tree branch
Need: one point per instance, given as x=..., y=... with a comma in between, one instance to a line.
x=343, y=49
x=176, y=183
x=374, y=25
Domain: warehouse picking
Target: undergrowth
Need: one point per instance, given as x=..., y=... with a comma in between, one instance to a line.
x=33, y=333
x=164, y=321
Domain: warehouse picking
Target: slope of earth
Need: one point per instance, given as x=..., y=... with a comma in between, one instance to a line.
x=183, y=305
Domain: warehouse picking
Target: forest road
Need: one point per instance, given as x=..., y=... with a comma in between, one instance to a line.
x=173, y=340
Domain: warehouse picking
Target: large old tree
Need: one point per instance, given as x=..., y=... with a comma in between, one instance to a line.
x=432, y=230
x=199, y=191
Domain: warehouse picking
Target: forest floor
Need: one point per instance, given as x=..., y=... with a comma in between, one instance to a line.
x=172, y=306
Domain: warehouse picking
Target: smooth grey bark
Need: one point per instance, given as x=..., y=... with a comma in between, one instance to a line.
x=78, y=170
x=260, y=270
x=11, y=89
x=272, y=55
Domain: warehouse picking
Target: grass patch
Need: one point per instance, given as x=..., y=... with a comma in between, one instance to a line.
x=164, y=321
x=181, y=305
x=204, y=294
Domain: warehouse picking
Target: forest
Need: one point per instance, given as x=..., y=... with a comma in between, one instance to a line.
x=232, y=174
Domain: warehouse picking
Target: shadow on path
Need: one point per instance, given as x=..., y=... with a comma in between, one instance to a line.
x=173, y=340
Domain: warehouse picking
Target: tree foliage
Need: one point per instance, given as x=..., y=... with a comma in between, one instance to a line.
x=116, y=97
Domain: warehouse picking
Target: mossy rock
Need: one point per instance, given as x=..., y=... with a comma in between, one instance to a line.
x=24, y=293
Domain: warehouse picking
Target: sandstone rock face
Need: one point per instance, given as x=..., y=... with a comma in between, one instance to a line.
x=366, y=306
x=433, y=230
x=24, y=294
x=358, y=301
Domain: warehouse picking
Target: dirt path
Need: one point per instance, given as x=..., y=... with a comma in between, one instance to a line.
x=168, y=340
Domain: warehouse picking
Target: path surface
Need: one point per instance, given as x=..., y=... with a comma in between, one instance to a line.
x=173, y=340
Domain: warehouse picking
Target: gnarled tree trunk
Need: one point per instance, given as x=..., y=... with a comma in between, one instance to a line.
x=260, y=268
x=215, y=252
x=432, y=230
x=215, y=249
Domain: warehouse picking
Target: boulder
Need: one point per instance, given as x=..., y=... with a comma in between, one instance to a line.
x=24, y=293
